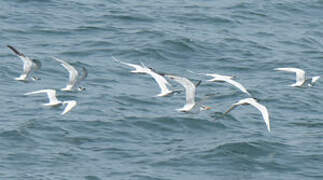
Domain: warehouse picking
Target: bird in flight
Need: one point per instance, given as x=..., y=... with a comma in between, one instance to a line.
x=301, y=78
x=53, y=101
x=253, y=102
x=74, y=76
x=29, y=65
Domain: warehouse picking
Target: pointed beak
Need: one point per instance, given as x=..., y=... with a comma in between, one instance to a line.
x=204, y=108
x=207, y=108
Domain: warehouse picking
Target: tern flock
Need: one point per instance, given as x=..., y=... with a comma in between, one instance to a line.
x=31, y=66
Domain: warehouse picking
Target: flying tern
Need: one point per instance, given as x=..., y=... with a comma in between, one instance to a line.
x=53, y=101
x=162, y=83
x=29, y=65
x=138, y=69
x=190, y=90
x=74, y=78
x=160, y=80
x=223, y=78
x=254, y=103
x=228, y=79
x=301, y=78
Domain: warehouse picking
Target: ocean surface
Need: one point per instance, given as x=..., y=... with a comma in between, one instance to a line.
x=120, y=130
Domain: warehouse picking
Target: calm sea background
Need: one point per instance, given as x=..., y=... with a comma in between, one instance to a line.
x=119, y=130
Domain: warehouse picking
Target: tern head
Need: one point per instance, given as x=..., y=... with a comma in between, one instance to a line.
x=81, y=88
x=313, y=80
x=36, y=64
x=35, y=78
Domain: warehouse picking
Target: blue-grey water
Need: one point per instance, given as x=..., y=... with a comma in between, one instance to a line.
x=119, y=130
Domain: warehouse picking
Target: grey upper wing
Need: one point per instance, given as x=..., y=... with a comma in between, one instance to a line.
x=238, y=85
x=84, y=74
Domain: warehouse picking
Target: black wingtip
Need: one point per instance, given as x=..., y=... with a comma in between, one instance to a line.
x=15, y=50
x=198, y=83
x=160, y=73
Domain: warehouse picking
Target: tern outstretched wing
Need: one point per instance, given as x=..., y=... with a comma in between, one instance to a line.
x=300, y=75
x=51, y=93
x=27, y=63
x=70, y=105
x=189, y=91
x=162, y=82
x=254, y=103
x=73, y=73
